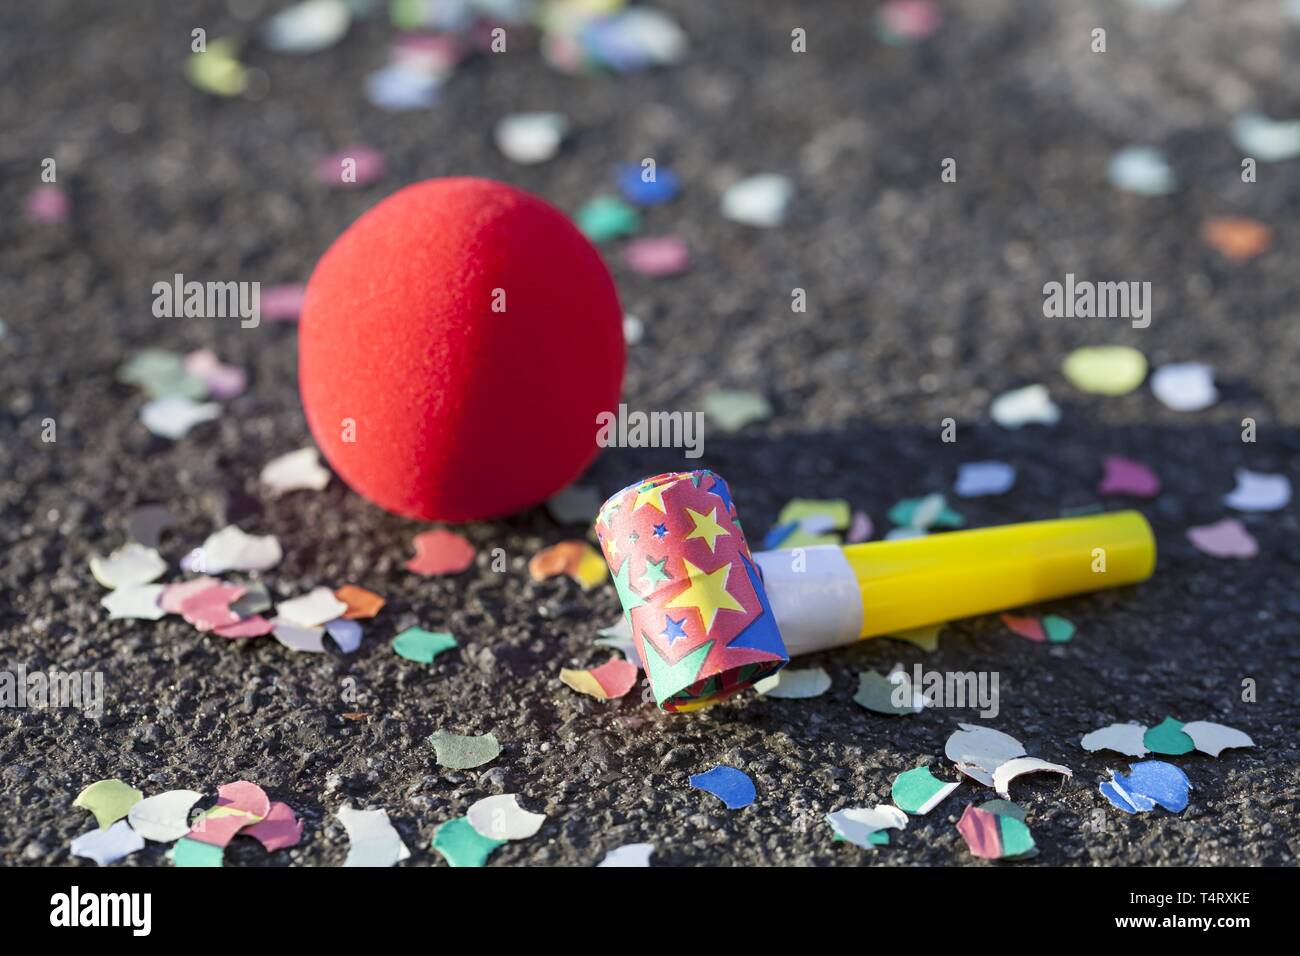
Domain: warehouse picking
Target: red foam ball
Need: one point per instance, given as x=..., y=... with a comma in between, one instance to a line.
x=425, y=399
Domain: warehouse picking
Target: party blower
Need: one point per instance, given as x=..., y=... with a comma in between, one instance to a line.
x=709, y=618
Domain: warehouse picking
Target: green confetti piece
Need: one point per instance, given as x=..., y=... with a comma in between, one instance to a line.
x=457, y=752
x=926, y=638
x=217, y=71
x=417, y=644
x=918, y=791
x=1058, y=629
x=1167, y=737
x=605, y=218
x=932, y=511
x=876, y=693
x=108, y=800
x=835, y=511
x=733, y=409
x=161, y=374
x=189, y=852
x=461, y=845
x=1016, y=838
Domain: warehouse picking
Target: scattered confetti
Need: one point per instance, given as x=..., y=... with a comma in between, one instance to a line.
x=417, y=644
x=361, y=603
x=146, y=524
x=440, y=552
x=1236, y=237
x=1148, y=784
x=578, y=559
x=994, y=836
x=605, y=218
x=637, y=189
x=1124, y=476
x=920, y=514
x=531, y=138
x=194, y=853
x=1264, y=139
x=501, y=818
x=46, y=205
x=1143, y=171
x=731, y=409
x=862, y=826
x=461, y=845
x=210, y=608
x=630, y=854
x=904, y=21
x=298, y=637
x=1213, y=739
x=978, y=478
x=129, y=566
x=657, y=257
x=733, y=787
x=312, y=609
x=108, y=846
x=1018, y=766
x=307, y=27
x=918, y=791
x=1167, y=737
x=979, y=751
x=278, y=830
x=761, y=201
x=135, y=602
x=1121, y=738
x=610, y=680
x=220, y=380
x=172, y=416
x=351, y=167
x=1259, y=492
x=164, y=817
x=1030, y=405
x=217, y=70
x=1185, y=386
x=372, y=839
x=1106, y=369
x=108, y=800
x=457, y=752
x=1224, y=539
x=881, y=694
x=789, y=684
x=346, y=634
x=576, y=504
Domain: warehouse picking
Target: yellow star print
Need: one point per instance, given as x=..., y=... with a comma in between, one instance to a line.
x=707, y=593
x=653, y=496
x=706, y=527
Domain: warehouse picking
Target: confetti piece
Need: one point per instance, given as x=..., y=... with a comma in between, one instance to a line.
x=1121, y=738
x=1148, y=784
x=733, y=787
x=531, y=138
x=637, y=189
x=578, y=559
x=106, y=847
x=1167, y=737
x=1029, y=628
x=255, y=626
x=400, y=87
x=904, y=21
x=146, y=524
x=604, y=218
x=994, y=836
x=787, y=684
x=761, y=201
x=108, y=800
x=164, y=817
x=918, y=791
x=160, y=374
x=283, y=303
x=1213, y=739
x=1059, y=630
x=861, y=826
x=254, y=600
x=1018, y=766
x=278, y=830
x=610, y=680
x=1264, y=139
x=888, y=694
x=210, y=608
x=173, y=416
x=501, y=818
x=346, y=634
x=189, y=852
x=807, y=522
x=1106, y=369
x=456, y=752
x=372, y=839
x=174, y=596
x=217, y=70
x=239, y=804
x=1143, y=171
x=222, y=381
x=135, y=602
x=1224, y=539
x=295, y=471
x=361, y=603
x=129, y=566
x=634, y=39
x=979, y=478
x=440, y=552
x=1030, y=405
x=657, y=257
x=47, y=205
x=461, y=845
x=633, y=330
x=860, y=528
x=978, y=751
x=307, y=27
x=351, y=167
x=1259, y=492
x=1237, y=238
x=1185, y=386
x=312, y=609
x=1124, y=476
x=630, y=854
x=932, y=511
x=576, y=504
x=733, y=409
x=926, y=637
x=417, y=644
x=297, y=637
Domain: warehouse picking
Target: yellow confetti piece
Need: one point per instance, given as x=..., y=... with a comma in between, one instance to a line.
x=1106, y=369
x=217, y=70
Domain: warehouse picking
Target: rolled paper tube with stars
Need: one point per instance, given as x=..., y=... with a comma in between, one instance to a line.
x=710, y=619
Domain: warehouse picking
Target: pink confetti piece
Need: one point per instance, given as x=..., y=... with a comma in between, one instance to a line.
x=174, y=596
x=283, y=303
x=1224, y=539
x=239, y=804
x=278, y=830
x=982, y=834
x=657, y=257
x=860, y=529
x=223, y=381
x=435, y=53
x=210, y=608
x=909, y=19
x=47, y=205
x=1027, y=627
x=440, y=552
x=1124, y=476
x=351, y=167
x=255, y=626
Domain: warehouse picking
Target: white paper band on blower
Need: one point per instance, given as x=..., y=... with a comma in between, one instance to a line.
x=814, y=595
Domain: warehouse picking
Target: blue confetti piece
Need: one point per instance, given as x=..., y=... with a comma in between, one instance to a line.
x=733, y=787
x=398, y=87
x=1147, y=784
x=663, y=188
x=346, y=634
x=779, y=534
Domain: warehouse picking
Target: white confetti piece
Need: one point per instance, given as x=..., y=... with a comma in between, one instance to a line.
x=313, y=609
x=164, y=817
x=978, y=478
x=1031, y=405
x=856, y=824
x=297, y=637
x=1259, y=492
x=135, y=602
x=297, y=470
x=1008, y=771
x=1185, y=386
x=1269, y=141
x=372, y=840
x=1122, y=738
x=633, y=332
x=108, y=846
x=500, y=817
x=307, y=27
x=231, y=549
x=630, y=854
x=760, y=201
x=790, y=684
x=172, y=416
x=1142, y=170
x=1213, y=739
x=129, y=566
x=978, y=751
x=530, y=138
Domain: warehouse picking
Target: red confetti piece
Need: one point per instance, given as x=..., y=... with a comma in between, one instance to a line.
x=278, y=830
x=440, y=552
x=1027, y=627
x=255, y=626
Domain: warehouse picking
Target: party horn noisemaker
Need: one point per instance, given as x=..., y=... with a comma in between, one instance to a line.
x=709, y=618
